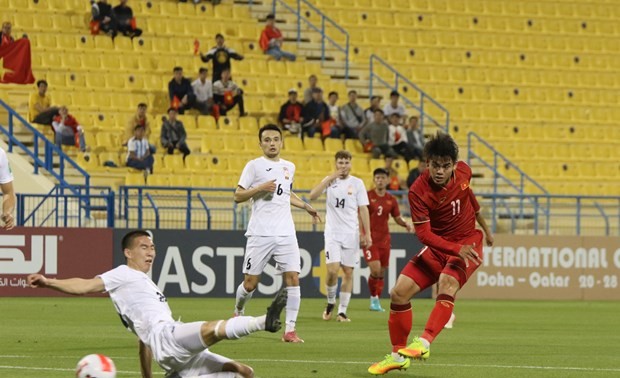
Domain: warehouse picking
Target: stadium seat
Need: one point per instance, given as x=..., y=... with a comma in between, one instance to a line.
x=333, y=145
x=206, y=123
x=313, y=144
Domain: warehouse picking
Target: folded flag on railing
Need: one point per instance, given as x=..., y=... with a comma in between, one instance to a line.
x=15, y=62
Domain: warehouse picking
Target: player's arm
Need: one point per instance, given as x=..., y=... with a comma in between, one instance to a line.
x=300, y=204
x=320, y=188
x=365, y=217
x=146, y=358
x=402, y=222
x=74, y=286
x=242, y=194
x=8, y=205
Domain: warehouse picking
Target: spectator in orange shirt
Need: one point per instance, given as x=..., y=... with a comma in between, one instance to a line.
x=271, y=41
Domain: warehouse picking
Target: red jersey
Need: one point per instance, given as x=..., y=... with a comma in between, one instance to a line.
x=380, y=209
x=450, y=210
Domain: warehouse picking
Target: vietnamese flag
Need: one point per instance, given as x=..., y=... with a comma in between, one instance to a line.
x=15, y=63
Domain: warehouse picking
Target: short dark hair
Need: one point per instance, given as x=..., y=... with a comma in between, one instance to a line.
x=394, y=93
x=139, y=127
x=343, y=154
x=375, y=98
x=41, y=82
x=352, y=91
x=171, y=109
x=332, y=93
x=177, y=68
x=381, y=171
x=441, y=145
x=203, y=69
x=219, y=35
x=270, y=16
x=269, y=126
x=129, y=238
x=142, y=105
x=378, y=111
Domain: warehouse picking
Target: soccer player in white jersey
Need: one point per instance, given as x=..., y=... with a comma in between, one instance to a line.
x=268, y=182
x=346, y=198
x=8, y=193
x=181, y=349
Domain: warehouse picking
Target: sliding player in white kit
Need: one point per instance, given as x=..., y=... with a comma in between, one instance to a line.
x=268, y=182
x=346, y=198
x=181, y=349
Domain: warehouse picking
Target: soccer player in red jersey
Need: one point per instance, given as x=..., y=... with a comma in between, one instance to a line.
x=444, y=212
x=382, y=205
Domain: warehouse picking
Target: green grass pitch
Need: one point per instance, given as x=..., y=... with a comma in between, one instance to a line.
x=45, y=337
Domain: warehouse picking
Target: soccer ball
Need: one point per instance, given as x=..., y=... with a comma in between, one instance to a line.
x=95, y=366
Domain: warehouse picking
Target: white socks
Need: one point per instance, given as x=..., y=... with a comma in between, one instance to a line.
x=292, y=307
x=331, y=294
x=344, y=302
x=425, y=342
x=243, y=326
x=242, y=297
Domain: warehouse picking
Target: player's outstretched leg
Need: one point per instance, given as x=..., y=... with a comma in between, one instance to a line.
x=389, y=363
x=272, y=321
x=292, y=310
x=241, y=297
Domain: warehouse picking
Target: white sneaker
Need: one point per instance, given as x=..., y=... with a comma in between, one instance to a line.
x=450, y=322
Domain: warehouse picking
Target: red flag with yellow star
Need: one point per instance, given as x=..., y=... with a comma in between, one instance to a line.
x=15, y=63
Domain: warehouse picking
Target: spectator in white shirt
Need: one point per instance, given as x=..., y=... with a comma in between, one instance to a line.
x=397, y=138
x=139, y=154
x=227, y=94
x=415, y=136
x=203, y=89
x=394, y=107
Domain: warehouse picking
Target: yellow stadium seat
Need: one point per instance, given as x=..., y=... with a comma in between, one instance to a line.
x=201, y=181
x=173, y=163
x=206, y=123
x=229, y=123
x=158, y=180
x=354, y=146
x=313, y=144
x=293, y=143
x=333, y=145
x=189, y=121
x=113, y=157
x=211, y=143
x=135, y=179
x=248, y=125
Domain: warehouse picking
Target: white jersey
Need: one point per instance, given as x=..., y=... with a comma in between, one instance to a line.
x=137, y=299
x=271, y=212
x=6, y=175
x=344, y=197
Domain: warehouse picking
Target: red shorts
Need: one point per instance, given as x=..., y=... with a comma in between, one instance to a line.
x=377, y=253
x=424, y=268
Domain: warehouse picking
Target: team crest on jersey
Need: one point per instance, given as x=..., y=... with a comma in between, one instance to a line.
x=442, y=199
x=287, y=175
x=350, y=190
x=464, y=185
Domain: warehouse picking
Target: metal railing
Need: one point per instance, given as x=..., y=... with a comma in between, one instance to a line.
x=400, y=83
x=327, y=26
x=54, y=160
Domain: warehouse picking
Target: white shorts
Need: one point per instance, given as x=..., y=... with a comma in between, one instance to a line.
x=343, y=248
x=259, y=249
x=178, y=348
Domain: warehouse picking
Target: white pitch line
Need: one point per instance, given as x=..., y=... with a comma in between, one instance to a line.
x=58, y=369
x=428, y=364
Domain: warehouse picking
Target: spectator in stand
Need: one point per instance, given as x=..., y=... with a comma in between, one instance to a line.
x=173, y=135
x=394, y=107
x=352, y=117
x=39, y=106
x=369, y=113
x=180, y=91
x=102, y=12
x=271, y=41
x=398, y=139
x=221, y=56
x=139, y=152
x=125, y=20
x=203, y=90
x=312, y=82
x=68, y=131
x=314, y=114
x=374, y=137
x=415, y=136
x=290, y=113
x=332, y=128
x=5, y=35
x=227, y=94
x=139, y=119
x=416, y=172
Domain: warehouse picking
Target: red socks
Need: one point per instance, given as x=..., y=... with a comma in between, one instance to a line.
x=439, y=317
x=375, y=286
x=399, y=325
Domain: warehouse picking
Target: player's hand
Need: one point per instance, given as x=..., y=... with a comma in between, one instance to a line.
x=316, y=218
x=366, y=241
x=467, y=253
x=489, y=239
x=410, y=227
x=36, y=280
x=269, y=186
x=9, y=221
